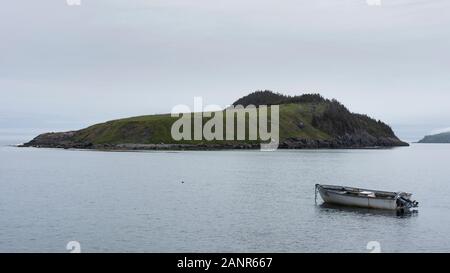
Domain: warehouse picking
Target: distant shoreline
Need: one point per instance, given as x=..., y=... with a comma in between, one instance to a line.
x=441, y=138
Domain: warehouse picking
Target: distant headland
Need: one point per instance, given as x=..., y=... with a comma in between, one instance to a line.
x=438, y=138
x=306, y=121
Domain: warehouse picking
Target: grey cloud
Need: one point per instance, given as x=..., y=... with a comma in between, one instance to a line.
x=121, y=58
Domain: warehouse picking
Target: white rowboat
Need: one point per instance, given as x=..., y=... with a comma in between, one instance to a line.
x=364, y=198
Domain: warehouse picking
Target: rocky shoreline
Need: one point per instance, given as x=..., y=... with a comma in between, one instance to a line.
x=358, y=141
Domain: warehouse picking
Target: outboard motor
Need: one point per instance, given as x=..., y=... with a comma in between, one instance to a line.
x=404, y=203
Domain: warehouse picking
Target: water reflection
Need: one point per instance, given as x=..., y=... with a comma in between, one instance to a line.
x=331, y=208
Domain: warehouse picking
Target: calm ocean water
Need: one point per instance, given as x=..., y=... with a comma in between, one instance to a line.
x=230, y=201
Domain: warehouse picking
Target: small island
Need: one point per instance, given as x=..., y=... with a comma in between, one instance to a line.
x=438, y=138
x=306, y=121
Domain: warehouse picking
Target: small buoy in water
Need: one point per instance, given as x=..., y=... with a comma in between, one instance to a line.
x=182, y=182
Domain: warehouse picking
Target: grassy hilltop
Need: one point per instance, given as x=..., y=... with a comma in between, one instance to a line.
x=306, y=121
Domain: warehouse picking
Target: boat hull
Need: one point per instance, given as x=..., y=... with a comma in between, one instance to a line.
x=337, y=198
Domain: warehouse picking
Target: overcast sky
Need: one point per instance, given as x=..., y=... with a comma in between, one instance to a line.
x=65, y=67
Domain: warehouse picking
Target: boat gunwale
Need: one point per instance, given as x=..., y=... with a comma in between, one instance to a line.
x=355, y=192
x=335, y=192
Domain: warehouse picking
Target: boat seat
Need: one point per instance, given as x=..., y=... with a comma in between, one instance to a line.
x=368, y=193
